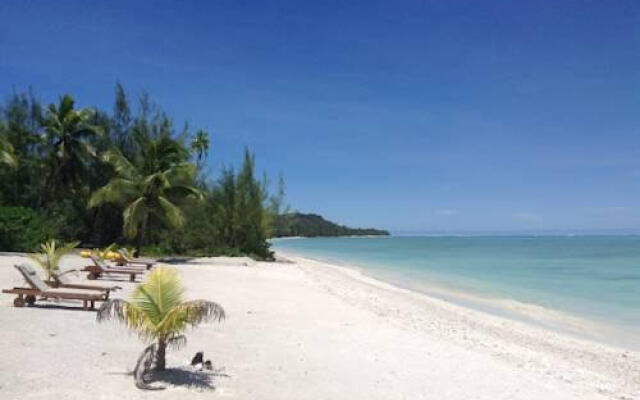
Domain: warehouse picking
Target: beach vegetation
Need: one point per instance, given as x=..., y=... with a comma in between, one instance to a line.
x=7, y=155
x=159, y=314
x=23, y=229
x=68, y=132
x=52, y=253
x=200, y=145
x=155, y=183
x=124, y=176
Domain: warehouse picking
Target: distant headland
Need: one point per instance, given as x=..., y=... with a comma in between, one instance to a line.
x=313, y=225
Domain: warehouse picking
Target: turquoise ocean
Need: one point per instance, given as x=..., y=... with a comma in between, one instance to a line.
x=586, y=285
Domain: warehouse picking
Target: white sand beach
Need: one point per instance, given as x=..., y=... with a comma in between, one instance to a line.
x=305, y=330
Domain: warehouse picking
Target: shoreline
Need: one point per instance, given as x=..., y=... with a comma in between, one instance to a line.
x=304, y=329
x=560, y=321
x=501, y=308
x=472, y=329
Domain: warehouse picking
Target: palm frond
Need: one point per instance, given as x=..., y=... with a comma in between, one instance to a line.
x=177, y=342
x=161, y=291
x=66, y=105
x=180, y=173
x=59, y=252
x=112, y=309
x=133, y=216
x=199, y=311
x=123, y=167
x=171, y=213
x=118, y=191
x=39, y=259
x=180, y=193
x=51, y=255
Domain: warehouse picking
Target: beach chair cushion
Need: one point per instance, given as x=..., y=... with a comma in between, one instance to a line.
x=32, y=277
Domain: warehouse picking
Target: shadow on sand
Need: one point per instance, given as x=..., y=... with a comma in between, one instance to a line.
x=178, y=260
x=201, y=380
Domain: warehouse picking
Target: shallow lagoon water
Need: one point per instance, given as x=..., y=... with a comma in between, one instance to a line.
x=583, y=284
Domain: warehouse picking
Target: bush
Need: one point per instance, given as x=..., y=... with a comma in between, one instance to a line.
x=23, y=229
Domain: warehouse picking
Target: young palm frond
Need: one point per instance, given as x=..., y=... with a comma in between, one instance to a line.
x=157, y=312
x=51, y=255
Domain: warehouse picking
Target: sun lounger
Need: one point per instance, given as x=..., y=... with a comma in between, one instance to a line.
x=127, y=260
x=101, y=262
x=99, y=269
x=37, y=287
x=62, y=280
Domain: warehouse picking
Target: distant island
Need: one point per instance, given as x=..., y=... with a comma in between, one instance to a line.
x=312, y=225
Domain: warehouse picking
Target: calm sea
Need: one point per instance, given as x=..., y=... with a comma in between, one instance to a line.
x=589, y=285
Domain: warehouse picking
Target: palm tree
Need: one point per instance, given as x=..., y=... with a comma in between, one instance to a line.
x=51, y=255
x=68, y=131
x=155, y=185
x=200, y=144
x=158, y=313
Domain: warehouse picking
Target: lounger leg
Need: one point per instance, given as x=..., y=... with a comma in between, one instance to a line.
x=132, y=277
x=31, y=300
x=84, y=305
x=93, y=305
x=18, y=301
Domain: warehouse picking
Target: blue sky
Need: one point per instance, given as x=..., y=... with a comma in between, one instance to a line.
x=411, y=116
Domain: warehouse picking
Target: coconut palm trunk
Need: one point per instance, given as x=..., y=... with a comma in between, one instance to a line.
x=161, y=355
x=143, y=231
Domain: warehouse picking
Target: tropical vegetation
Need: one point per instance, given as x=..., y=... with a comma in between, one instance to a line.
x=52, y=253
x=158, y=313
x=124, y=176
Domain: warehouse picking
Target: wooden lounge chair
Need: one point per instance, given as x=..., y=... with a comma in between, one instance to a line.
x=99, y=269
x=62, y=281
x=101, y=262
x=37, y=287
x=130, y=261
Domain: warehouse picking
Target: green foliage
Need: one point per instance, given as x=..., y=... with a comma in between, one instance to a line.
x=239, y=204
x=200, y=145
x=158, y=312
x=152, y=185
x=51, y=255
x=121, y=175
x=310, y=225
x=68, y=132
x=7, y=154
x=22, y=229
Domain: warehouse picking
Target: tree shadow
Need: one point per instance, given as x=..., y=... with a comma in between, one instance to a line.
x=178, y=260
x=51, y=305
x=196, y=379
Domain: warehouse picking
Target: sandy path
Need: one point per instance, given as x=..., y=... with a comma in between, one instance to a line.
x=308, y=331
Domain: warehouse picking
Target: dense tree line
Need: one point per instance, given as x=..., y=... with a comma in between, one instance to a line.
x=126, y=176
x=312, y=225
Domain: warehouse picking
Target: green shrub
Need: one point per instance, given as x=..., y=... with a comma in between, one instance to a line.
x=23, y=229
